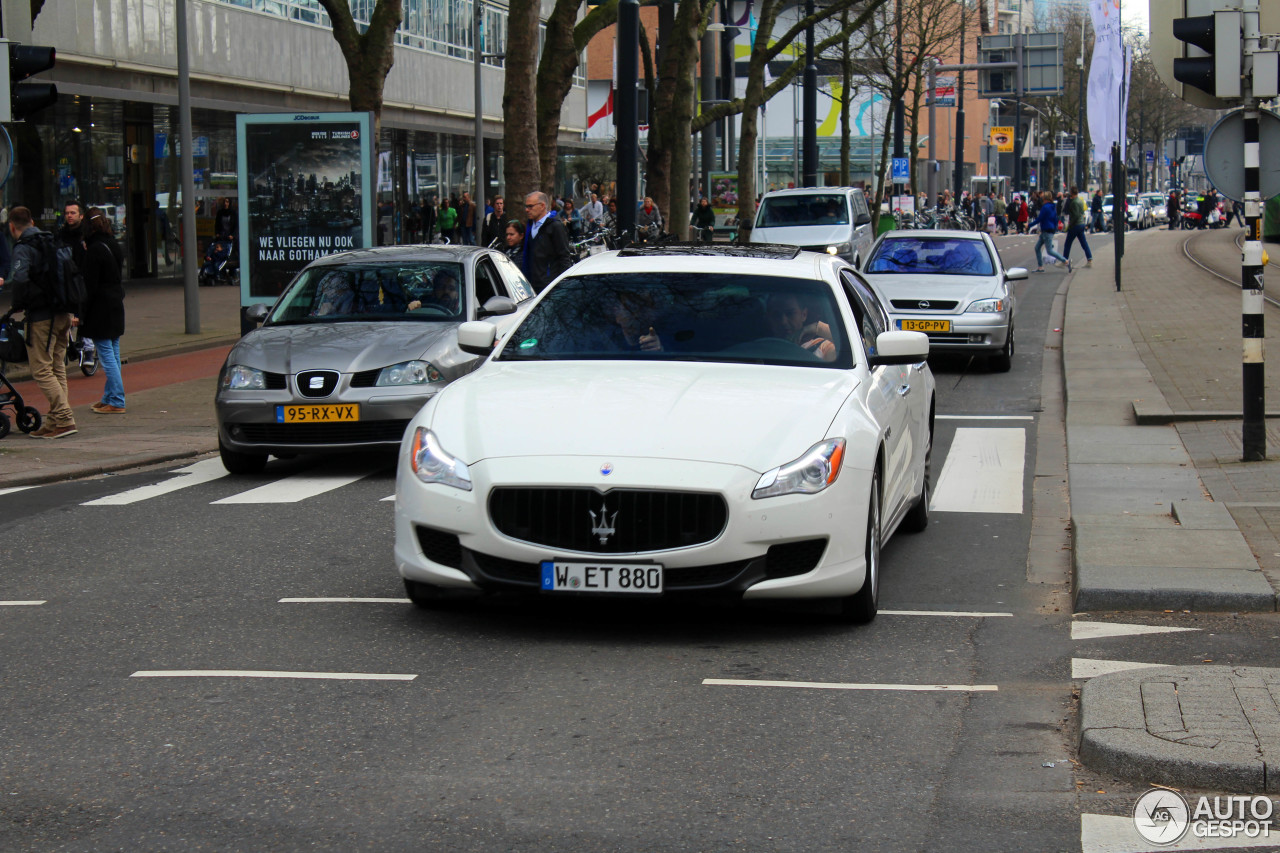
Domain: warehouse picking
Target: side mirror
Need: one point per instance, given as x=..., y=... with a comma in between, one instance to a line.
x=862, y=219
x=497, y=306
x=899, y=348
x=477, y=337
x=1015, y=274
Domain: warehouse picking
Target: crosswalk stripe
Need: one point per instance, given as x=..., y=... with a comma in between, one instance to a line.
x=983, y=471
x=1082, y=668
x=13, y=489
x=830, y=685
x=22, y=603
x=257, y=673
x=299, y=487
x=205, y=471
x=343, y=601
x=1097, y=630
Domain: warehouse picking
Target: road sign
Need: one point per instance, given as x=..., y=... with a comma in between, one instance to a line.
x=1041, y=64
x=1224, y=155
x=901, y=170
x=1151, y=156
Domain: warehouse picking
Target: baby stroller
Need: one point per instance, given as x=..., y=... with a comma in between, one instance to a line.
x=13, y=350
x=219, y=267
x=82, y=352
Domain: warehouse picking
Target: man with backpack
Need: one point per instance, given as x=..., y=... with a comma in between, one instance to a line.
x=43, y=300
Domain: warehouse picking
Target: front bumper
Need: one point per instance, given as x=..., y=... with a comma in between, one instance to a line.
x=795, y=546
x=968, y=333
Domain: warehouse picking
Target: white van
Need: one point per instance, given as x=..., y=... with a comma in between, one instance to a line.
x=828, y=219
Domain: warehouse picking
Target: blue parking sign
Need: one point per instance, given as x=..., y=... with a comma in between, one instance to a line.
x=901, y=170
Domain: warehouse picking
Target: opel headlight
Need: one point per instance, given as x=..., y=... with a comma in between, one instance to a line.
x=240, y=378
x=408, y=373
x=987, y=306
x=432, y=464
x=810, y=474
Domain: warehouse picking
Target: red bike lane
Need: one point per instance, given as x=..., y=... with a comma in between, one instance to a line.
x=137, y=376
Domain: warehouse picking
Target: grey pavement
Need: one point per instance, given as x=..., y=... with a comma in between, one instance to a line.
x=1164, y=515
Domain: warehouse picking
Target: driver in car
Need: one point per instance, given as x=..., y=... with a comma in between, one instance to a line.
x=789, y=320
x=444, y=294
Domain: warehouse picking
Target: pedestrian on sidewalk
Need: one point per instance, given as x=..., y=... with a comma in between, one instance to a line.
x=1076, y=226
x=103, y=315
x=1002, y=221
x=47, y=327
x=1047, y=219
x=1095, y=210
x=1024, y=213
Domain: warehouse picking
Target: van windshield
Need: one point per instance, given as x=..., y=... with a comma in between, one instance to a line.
x=790, y=211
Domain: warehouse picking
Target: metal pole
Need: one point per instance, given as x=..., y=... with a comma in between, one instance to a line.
x=931, y=179
x=958, y=180
x=1080, y=118
x=1017, y=118
x=899, y=107
x=810, y=105
x=477, y=198
x=708, y=93
x=190, y=255
x=628, y=130
x=1251, y=269
x=728, y=81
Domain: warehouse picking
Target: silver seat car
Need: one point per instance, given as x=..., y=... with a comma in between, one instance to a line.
x=354, y=347
x=952, y=286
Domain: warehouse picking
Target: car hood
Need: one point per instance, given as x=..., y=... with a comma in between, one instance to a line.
x=804, y=235
x=750, y=415
x=345, y=347
x=958, y=288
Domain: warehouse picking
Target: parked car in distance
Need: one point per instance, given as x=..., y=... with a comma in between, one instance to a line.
x=951, y=285
x=835, y=220
x=354, y=347
x=1157, y=202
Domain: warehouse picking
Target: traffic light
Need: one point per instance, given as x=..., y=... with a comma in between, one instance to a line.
x=26, y=98
x=1214, y=60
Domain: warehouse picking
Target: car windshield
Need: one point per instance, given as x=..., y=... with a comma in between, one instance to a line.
x=685, y=316
x=405, y=290
x=931, y=256
x=787, y=211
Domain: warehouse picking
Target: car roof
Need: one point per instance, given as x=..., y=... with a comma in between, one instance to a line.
x=928, y=234
x=753, y=259
x=435, y=252
x=810, y=191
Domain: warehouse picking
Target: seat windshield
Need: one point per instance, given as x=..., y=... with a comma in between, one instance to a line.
x=790, y=211
x=410, y=290
x=746, y=319
x=931, y=256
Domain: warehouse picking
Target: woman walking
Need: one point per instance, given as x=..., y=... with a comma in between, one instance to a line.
x=102, y=318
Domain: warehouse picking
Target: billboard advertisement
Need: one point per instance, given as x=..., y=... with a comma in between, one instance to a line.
x=306, y=191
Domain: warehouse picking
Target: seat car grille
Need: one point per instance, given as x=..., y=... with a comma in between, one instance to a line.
x=276, y=381
x=317, y=383
x=356, y=432
x=366, y=378
x=621, y=521
x=924, y=304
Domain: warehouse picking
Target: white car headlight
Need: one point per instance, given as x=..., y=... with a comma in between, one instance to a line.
x=840, y=249
x=810, y=474
x=408, y=373
x=240, y=378
x=988, y=306
x=432, y=464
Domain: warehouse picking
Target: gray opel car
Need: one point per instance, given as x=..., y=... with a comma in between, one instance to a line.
x=354, y=347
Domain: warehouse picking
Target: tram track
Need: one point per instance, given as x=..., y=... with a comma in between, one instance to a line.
x=1188, y=252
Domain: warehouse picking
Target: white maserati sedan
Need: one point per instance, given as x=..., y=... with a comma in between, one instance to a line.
x=674, y=421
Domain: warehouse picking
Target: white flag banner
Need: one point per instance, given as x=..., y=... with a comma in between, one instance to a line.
x=1108, y=78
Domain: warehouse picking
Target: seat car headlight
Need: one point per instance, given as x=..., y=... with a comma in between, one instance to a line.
x=239, y=378
x=810, y=474
x=840, y=249
x=987, y=306
x=408, y=373
x=432, y=464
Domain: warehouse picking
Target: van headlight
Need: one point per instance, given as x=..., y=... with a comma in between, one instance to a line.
x=842, y=249
x=810, y=474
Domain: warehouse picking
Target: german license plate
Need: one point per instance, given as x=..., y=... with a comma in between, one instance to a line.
x=925, y=325
x=601, y=577
x=317, y=414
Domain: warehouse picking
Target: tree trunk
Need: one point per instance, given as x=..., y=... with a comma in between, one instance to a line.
x=369, y=55
x=522, y=171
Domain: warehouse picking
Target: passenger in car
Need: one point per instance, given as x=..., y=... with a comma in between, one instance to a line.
x=636, y=314
x=333, y=295
x=789, y=320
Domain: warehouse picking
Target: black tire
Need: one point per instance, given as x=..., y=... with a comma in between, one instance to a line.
x=241, y=463
x=29, y=419
x=1002, y=361
x=4, y=425
x=861, y=607
x=917, y=518
x=89, y=368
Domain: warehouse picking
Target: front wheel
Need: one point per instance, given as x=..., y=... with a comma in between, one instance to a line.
x=241, y=463
x=917, y=518
x=861, y=607
x=1002, y=361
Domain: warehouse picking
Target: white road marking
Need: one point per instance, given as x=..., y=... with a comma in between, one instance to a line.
x=343, y=601
x=1096, y=630
x=250, y=673
x=1091, y=667
x=299, y=487
x=828, y=685
x=977, y=613
x=984, y=417
x=205, y=471
x=22, y=603
x=388, y=498
x=983, y=472
x=13, y=489
x=1101, y=833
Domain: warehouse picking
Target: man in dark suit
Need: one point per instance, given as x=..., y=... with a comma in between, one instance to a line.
x=546, y=243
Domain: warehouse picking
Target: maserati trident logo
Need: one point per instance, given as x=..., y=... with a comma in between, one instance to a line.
x=603, y=526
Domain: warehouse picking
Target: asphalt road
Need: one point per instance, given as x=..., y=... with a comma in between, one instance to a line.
x=541, y=725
